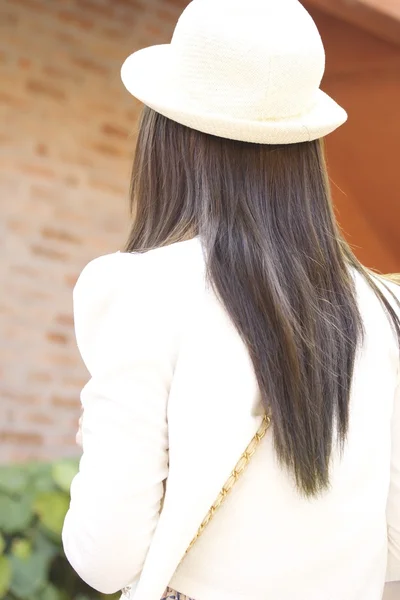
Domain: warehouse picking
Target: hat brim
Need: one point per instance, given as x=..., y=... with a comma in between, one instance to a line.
x=147, y=75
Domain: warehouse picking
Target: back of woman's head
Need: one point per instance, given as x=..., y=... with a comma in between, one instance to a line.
x=277, y=261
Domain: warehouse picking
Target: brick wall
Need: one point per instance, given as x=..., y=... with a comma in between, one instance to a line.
x=67, y=131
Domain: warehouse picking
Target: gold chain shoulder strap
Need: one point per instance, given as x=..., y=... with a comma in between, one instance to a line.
x=234, y=476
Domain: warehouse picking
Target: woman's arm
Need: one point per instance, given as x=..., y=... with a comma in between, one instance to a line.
x=124, y=340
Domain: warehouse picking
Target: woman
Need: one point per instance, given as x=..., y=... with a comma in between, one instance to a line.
x=237, y=307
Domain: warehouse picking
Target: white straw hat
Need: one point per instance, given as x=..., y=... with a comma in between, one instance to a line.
x=247, y=70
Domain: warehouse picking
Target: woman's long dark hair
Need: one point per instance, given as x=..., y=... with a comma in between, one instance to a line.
x=277, y=261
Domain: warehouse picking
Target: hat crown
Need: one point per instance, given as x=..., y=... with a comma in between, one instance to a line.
x=251, y=59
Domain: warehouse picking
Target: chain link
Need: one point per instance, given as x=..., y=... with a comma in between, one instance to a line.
x=234, y=476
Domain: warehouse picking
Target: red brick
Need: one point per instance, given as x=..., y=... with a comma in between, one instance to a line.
x=131, y=4
x=36, y=170
x=60, y=235
x=33, y=4
x=165, y=15
x=65, y=319
x=111, y=33
x=71, y=180
x=94, y=8
x=43, y=193
x=75, y=382
x=12, y=100
x=19, y=437
x=23, y=398
x=45, y=89
x=40, y=377
x=132, y=114
x=71, y=280
x=61, y=360
x=108, y=187
x=153, y=30
x=40, y=418
x=108, y=150
x=33, y=295
x=24, y=63
x=23, y=454
x=42, y=149
x=76, y=159
x=58, y=73
x=19, y=226
x=49, y=253
x=57, y=338
x=8, y=19
x=66, y=38
x=26, y=270
x=69, y=440
x=6, y=310
x=100, y=106
x=180, y=4
x=74, y=19
x=65, y=402
x=69, y=217
x=114, y=131
x=90, y=65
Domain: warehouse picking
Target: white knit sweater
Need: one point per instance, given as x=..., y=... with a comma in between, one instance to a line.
x=173, y=395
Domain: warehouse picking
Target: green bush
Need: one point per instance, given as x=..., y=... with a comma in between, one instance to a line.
x=33, y=502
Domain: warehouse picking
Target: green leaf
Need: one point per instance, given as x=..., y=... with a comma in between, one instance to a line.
x=44, y=544
x=63, y=473
x=21, y=548
x=2, y=544
x=43, y=483
x=40, y=477
x=13, y=480
x=28, y=575
x=49, y=592
x=15, y=513
x=33, y=502
x=37, y=468
x=51, y=507
x=5, y=575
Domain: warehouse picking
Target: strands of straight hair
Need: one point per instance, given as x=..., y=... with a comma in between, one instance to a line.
x=279, y=264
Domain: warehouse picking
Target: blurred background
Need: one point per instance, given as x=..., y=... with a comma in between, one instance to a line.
x=67, y=133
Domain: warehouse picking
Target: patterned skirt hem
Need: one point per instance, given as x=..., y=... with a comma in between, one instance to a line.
x=172, y=595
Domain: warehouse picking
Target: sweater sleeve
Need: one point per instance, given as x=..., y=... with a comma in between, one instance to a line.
x=124, y=335
x=393, y=504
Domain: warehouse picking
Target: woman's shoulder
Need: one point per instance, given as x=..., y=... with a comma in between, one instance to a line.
x=389, y=284
x=176, y=252
x=392, y=281
x=162, y=272
x=122, y=291
x=372, y=308
x=385, y=282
